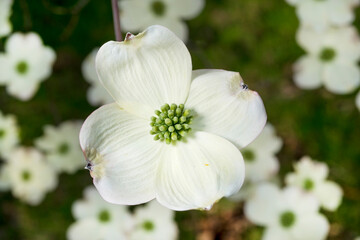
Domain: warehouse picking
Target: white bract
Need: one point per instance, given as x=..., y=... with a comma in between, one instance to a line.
x=28, y=175
x=96, y=94
x=331, y=60
x=173, y=133
x=5, y=12
x=261, y=163
x=137, y=15
x=322, y=14
x=25, y=63
x=357, y=101
x=154, y=222
x=311, y=177
x=9, y=134
x=98, y=219
x=287, y=214
x=61, y=146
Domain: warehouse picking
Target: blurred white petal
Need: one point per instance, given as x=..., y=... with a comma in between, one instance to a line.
x=313, y=227
x=330, y=195
x=308, y=73
x=341, y=78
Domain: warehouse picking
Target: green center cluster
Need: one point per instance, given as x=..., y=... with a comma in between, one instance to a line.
x=308, y=184
x=248, y=155
x=158, y=7
x=287, y=219
x=63, y=148
x=26, y=175
x=104, y=216
x=148, y=226
x=171, y=124
x=2, y=133
x=22, y=67
x=327, y=54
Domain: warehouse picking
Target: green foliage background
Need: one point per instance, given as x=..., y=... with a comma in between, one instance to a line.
x=254, y=37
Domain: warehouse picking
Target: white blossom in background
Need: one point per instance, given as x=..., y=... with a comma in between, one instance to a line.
x=287, y=214
x=28, y=175
x=9, y=134
x=173, y=134
x=61, y=146
x=137, y=15
x=311, y=177
x=322, y=14
x=96, y=94
x=261, y=163
x=154, y=222
x=331, y=60
x=5, y=12
x=25, y=63
x=357, y=101
x=98, y=219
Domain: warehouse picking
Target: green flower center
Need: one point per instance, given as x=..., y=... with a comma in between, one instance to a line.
x=148, y=226
x=308, y=184
x=63, y=148
x=287, y=219
x=2, y=133
x=248, y=155
x=22, y=67
x=158, y=7
x=327, y=54
x=171, y=124
x=104, y=216
x=26, y=175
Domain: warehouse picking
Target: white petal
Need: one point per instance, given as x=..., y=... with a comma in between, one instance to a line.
x=310, y=40
x=329, y=194
x=4, y=69
x=259, y=209
x=261, y=168
x=177, y=26
x=341, y=78
x=293, y=2
x=22, y=89
x=308, y=73
x=357, y=101
x=223, y=107
x=312, y=227
x=123, y=154
x=277, y=233
x=299, y=201
x=267, y=143
x=340, y=12
x=135, y=15
x=186, y=9
x=195, y=174
x=18, y=43
x=151, y=69
x=313, y=14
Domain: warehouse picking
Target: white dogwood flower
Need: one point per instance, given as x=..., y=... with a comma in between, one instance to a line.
x=137, y=15
x=331, y=60
x=96, y=94
x=5, y=12
x=9, y=134
x=261, y=163
x=154, y=222
x=287, y=214
x=322, y=14
x=98, y=219
x=357, y=101
x=25, y=63
x=28, y=175
x=173, y=133
x=311, y=177
x=61, y=146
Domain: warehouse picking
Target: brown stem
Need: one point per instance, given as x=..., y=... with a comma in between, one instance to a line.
x=115, y=10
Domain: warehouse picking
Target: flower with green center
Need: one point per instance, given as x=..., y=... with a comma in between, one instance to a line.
x=25, y=64
x=28, y=175
x=311, y=176
x=97, y=219
x=206, y=114
x=137, y=15
x=154, y=221
x=9, y=134
x=60, y=145
x=287, y=214
x=331, y=59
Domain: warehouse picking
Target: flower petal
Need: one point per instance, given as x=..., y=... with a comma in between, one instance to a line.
x=357, y=101
x=195, y=174
x=224, y=106
x=330, y=195
x=259, y=209
x=177, y=26
x=308, y=73
x=122, y=153
x=276, y=233
x=341, y=78
x=151, y=69
x=312, y=227
x=186, y=9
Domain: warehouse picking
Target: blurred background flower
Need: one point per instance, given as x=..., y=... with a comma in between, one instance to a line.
x=263, y=40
